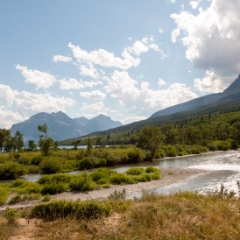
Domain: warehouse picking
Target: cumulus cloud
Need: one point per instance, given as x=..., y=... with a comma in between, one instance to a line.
x=194, y=4
x=161, y=82
x=60, y=58
x=40, y=79
x=138, y=48
x=107, y=59
x=212, y=83
x=89, y=70
x=72, y=83
x=122, y=87
x=104, y=58
x=94, y=95
x=99, y=107
x=6, y=95
x=8, y=117
x=30, y=103
x=143, y=100
x=212, y=41
x=22, y=105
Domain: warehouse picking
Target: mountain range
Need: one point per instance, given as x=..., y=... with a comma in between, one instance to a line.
x=226, y=101
x=231, y=93
x=61, y=126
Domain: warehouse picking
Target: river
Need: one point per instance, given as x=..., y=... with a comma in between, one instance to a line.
x=223, y=167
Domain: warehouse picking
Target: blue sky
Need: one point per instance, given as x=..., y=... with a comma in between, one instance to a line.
x=124, y=59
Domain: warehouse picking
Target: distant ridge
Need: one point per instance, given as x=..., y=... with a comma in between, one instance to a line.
x=231, y=93
x=61, y=126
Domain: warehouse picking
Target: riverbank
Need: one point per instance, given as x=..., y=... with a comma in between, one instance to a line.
x=169, y=176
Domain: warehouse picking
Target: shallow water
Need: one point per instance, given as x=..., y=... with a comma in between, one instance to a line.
x=224, y=169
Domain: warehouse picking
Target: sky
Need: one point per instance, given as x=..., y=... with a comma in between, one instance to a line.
x=125, y=59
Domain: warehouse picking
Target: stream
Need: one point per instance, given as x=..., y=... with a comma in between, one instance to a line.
x=223, y=167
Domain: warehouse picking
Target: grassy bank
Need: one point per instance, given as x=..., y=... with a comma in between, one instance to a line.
x=182, y=216
x=48, y=185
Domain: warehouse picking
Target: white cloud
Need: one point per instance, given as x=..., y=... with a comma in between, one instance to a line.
x=103, y=58
x=94, y=95
x=194, y=4
x=89, y=71
x=8, y=117
x=40, y=79
x=106, y=59
x=71, y=83
x=212, y=41
x=29, y=103
x=138, y=48
x=161, y=82
x=6, y=95
x=99, y=106
x=128, y=120
x=60, y=58
x=212, y=83
x=122, y=87
x=144, y=100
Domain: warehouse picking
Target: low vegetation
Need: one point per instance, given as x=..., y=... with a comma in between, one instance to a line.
x=182, y=216
x=83, y=182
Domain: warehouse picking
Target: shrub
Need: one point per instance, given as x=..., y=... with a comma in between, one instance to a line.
x=135, y=171
x=3, y=196
x=53, y=188
x=36, y=160
x=160, y=153
x=15, y=199
x=29, y=188
x=120, y=178
x=64, y=208
x=136, y=155
x=112, y=159
x=117, y=195
x=46, y=198
x=19, y=182
x=11, y=215
x=11, y=170
x=170, y=150
x=82, y=182
x=86, y=163
x=102, y=173
x=49, y=166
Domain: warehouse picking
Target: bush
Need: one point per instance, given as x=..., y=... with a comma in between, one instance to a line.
x=120, y=178
x=46, y=198
x=11, y=215
x=151, y=169
x=117, y=195
x=18, y=183
x=11, y=170
x=170, y=150
x=86, y=163
x=160, y=153
x=29, y=188
x=82, y=183
x=64, y=208
x=16, y=199
x=3, y=196
x=53, y=188
x=36, y=160
x=135, y=171
x=49, y=166
x=136, y=155
x=102, y=173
